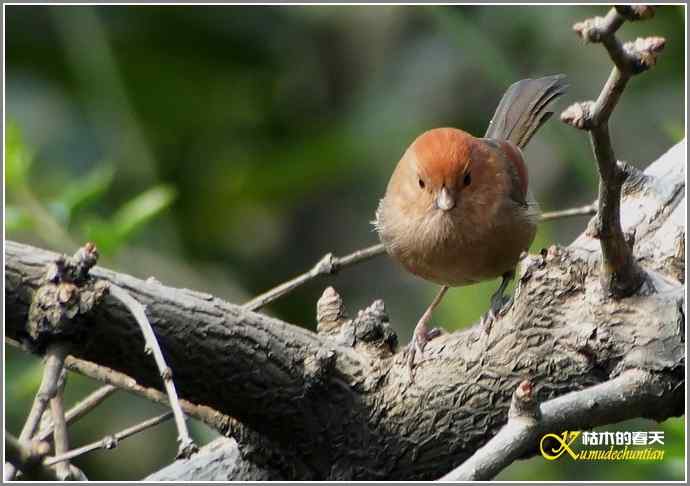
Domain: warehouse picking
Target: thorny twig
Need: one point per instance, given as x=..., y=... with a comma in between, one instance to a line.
x=621, y=276
x=186, y=445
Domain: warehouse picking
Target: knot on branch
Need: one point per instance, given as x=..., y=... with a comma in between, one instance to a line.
x=523, y=404
x=38, y=449
x=67, y=291
x=325, y=265
x=642, y=52
x=370, y=328
x=633, y=13
x=579, y=115
x=110, y=442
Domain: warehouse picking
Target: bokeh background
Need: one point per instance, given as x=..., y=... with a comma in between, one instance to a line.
x=226, y=149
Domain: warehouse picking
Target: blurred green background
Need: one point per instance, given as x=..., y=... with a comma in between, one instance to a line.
x=226, y=149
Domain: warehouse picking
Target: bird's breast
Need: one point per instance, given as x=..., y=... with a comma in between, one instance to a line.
x=458, y=249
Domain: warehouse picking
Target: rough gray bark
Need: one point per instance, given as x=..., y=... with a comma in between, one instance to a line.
x=340, y=405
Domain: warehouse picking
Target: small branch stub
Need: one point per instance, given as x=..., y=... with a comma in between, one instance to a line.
x=635, y=12
x=330, y=312
x=579, y=115
x=523, y=403
x=643, y=52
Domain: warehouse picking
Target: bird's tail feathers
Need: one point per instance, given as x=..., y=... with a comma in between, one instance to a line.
x=524, y=108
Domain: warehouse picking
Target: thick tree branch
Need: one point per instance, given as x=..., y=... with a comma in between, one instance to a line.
x=621, y=275
x=341, y=401
x=621, y=398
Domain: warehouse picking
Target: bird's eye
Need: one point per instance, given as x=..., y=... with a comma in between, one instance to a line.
x=467, y=180
x=422, y=185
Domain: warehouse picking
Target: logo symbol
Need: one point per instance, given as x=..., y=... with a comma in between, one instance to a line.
x=564, y=440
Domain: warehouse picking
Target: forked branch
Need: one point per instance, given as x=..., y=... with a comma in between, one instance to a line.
x=621, y=276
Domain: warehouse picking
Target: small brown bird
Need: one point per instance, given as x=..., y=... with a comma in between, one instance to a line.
x=458, y=209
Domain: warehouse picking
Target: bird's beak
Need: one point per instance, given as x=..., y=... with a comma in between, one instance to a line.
x=444, y=200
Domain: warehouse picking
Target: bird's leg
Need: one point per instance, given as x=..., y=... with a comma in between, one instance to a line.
x=422, y=334
x=499, y=303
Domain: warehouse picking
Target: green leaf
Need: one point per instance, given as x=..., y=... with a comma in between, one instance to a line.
x=112, y=234
x=18, y=157
x=83, y=192
x=143, y=208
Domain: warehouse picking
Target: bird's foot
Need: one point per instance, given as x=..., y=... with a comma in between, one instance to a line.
x=500, y=305
x=422, y=335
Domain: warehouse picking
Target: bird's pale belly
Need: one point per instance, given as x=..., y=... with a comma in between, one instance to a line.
x=458, y=261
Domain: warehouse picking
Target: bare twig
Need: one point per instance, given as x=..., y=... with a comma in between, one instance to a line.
x=55, y=358
x=186, y=445
x=60, y=436
x=211, y=417
x=588, y=210
x=609, y=402
x=109, y=441
x=621, y=276
x=328, y=265
x=26, y=456
x=80, y=409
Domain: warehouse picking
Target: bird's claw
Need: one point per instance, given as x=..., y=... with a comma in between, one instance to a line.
x=499, y=308
x=416, y=347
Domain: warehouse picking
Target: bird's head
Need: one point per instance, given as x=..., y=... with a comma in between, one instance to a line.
x=442, y=169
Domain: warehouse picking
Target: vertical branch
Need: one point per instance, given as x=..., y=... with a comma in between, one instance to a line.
x=621, y=276
x=55, y=359
x=60, y=437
